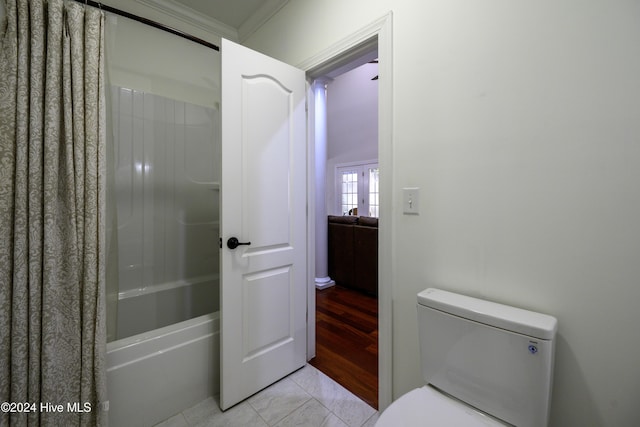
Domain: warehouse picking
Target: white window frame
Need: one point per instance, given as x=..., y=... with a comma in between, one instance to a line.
x=362, y=168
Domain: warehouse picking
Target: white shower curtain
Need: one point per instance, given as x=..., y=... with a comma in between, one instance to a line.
x=52, y=191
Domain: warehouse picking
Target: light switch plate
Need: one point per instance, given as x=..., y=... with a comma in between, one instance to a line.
x=411, y=201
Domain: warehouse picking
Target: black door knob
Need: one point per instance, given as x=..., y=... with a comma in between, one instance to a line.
x=233, y=243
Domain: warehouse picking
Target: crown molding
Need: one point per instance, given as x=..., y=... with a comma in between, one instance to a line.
x=259, y=18
x=192, y=17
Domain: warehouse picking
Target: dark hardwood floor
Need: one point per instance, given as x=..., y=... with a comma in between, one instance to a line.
x=347, y=340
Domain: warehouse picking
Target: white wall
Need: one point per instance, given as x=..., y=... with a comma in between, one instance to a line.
x=520, y=123
x=154, y=61
x=352, y=123
x=171, y=14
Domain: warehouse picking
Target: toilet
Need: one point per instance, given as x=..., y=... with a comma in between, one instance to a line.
x=483, y=363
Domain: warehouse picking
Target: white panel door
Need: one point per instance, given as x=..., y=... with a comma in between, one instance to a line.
x=263, y=289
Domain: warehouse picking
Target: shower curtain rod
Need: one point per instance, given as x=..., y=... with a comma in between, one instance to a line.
x=149, y=22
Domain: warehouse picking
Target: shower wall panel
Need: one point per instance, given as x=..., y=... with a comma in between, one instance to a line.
x=167, y=174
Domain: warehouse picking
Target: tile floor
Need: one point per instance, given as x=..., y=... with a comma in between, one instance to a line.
x=307, y=397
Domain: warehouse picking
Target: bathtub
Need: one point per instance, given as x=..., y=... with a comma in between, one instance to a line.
x=156, y=306
x=155, y=375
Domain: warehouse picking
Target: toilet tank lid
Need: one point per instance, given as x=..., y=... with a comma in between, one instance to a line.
x=502, y=316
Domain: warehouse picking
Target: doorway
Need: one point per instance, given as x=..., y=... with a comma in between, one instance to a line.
x=347, y=314
x=377, y=34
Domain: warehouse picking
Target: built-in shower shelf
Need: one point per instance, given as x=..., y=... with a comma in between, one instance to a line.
x=166, y=286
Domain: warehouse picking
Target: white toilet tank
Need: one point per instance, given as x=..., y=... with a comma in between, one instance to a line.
x=494, y=357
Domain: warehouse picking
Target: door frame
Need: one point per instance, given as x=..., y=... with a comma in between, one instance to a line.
x=378, y=33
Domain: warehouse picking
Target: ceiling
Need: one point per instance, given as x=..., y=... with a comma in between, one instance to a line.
x=243, y=16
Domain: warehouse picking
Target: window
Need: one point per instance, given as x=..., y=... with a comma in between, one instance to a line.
x=357, y=189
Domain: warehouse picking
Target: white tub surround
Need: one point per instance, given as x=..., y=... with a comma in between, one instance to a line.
x=155, y=375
